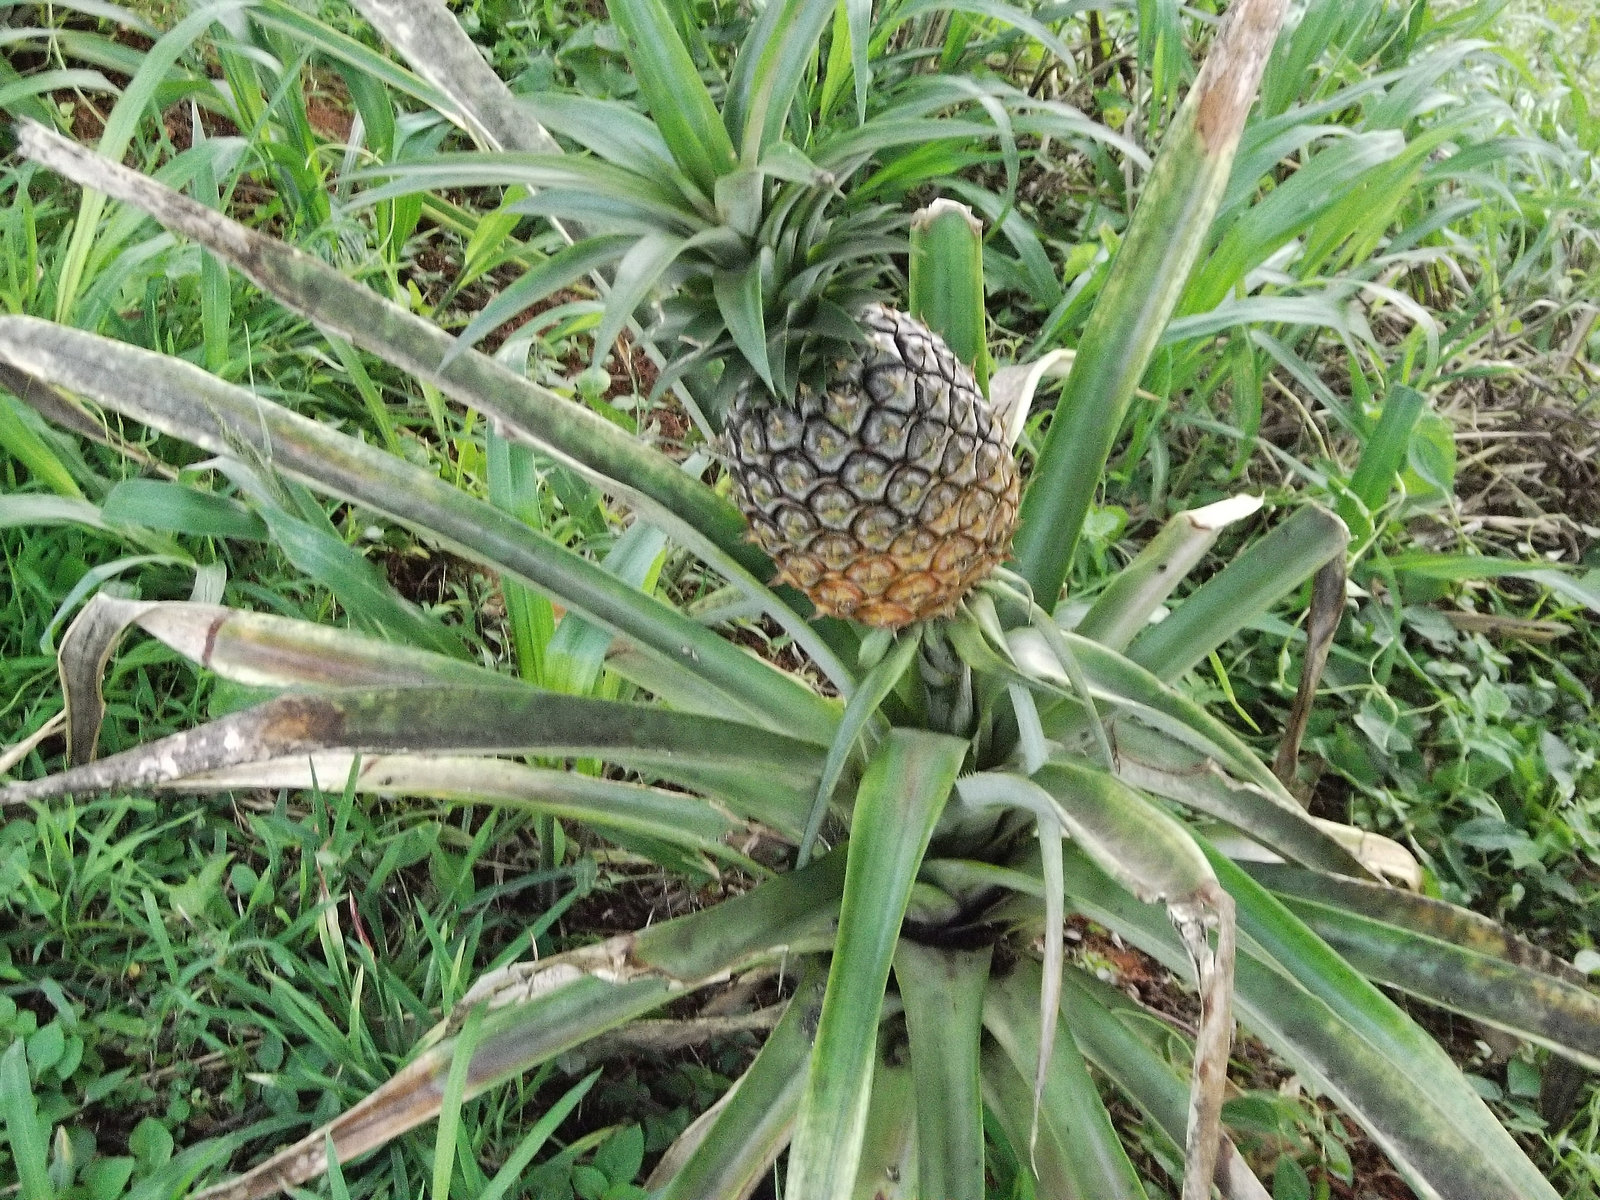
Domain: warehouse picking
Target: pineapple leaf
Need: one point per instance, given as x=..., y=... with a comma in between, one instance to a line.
x=772, y=63
x=1004, y=14
x=1078, y=1152
x=1263, y=574
x=608, y=128
x=786, y=161
x=900, y=798
x=1165, y=238
x=673, y=90
x=858, y=24
x=738, y=296
x=1102, y=1021
x=664, y=206
x=738, y=196
x=845, y=153
x=1448, y=956
x=943, y=994
x=1337, y=1028
x=570, y=433
x=185, y=402
x=738, y=1140
x=499, y=717
x=438, y=49
x=1126, y=606
x=668, y=817
x=858, y=715
x=947, y=281
x=638, y=273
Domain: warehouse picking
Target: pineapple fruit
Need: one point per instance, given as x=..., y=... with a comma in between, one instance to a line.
x=863, y=452
x=887, y=490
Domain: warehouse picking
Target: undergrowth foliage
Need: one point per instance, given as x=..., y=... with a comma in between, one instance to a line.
x=508, y=823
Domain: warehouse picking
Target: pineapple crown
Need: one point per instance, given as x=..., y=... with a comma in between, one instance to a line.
x=735, y=218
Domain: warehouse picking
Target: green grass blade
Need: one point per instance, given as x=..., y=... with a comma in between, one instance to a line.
x=513, y=485
x=455, y=1088
x=120, y=126
x=1164, y=240
x=27, y=1137
x=23, y=443
x=175, y=508
x=15, y=94
x=1382, y=457
x=900, y=798
x=511, y=1171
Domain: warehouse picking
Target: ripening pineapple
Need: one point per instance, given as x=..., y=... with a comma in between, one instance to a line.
x=862, y=450
x=886, y=490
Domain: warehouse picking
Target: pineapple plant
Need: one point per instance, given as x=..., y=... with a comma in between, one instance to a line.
x=863, y=453
x=989, y=768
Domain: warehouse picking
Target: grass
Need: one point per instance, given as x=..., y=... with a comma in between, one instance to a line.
x=186, y=981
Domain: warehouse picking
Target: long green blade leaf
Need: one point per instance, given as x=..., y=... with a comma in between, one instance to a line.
x=746, y=1133
x=1163, y=242
x=900, y=798
x=1247, y=587
x=673, y=90
x=184, y=401
x=1448, y=956
x=504, y=718
x=568, y=432
x=943, y=995
x=1330, y=1023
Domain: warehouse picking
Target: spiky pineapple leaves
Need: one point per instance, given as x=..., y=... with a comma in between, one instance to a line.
x=942, y=991
x=572, y=434
x=899, y=800
x=189, y=404
x=1164, y=240
x=1152, y=855
x=535, y=1011
x=683, y=109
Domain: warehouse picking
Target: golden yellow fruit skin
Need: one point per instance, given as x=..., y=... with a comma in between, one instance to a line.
x=888, y=494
